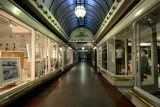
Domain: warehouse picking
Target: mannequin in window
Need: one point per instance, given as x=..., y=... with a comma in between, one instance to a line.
x=119, y=53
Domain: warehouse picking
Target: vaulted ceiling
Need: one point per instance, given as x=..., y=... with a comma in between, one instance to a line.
x=64, y=12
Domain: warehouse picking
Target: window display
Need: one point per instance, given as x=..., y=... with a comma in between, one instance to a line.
x=54, y=56
x=38, y=53
x=69, y=56
x=39, y=68
x=120, y=57
x=10, y=70
x=13, y=39
x=18, y=68
x=20, y=55
x=41, y=54
x=148, y=48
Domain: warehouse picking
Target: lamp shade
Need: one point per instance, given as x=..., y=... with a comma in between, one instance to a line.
x=80, y=11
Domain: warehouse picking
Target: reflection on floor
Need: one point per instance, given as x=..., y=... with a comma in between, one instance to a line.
x=79, y=87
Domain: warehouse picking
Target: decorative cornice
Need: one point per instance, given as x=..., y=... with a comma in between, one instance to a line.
x=51, y=18
x=110, y=13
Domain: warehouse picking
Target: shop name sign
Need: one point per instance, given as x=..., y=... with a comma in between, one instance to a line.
x=81, y=34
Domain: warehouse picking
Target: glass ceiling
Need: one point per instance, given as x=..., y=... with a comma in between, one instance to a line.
x=64, y=12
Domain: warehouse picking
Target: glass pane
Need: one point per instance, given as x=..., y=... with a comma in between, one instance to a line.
x=40, y=55
x=14, y=38
x=54, y=60
x=148, y=51
x=120, y=57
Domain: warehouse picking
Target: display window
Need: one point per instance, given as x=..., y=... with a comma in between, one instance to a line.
x=14, y=64
x=104, y=55
x=120, y=56
x=69, y=56
x=40, y=55
x=148, y=52
x=54, y=55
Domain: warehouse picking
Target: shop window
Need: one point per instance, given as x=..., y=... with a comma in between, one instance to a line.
x=41, y=54
x=15, y=66
x=148, y=52
x=69, y=56
x=120, y=57
x=54, y=55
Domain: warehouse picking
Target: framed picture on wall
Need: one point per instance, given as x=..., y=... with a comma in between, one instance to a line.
x=39, y=69
x=10, y=68
x=38, y=53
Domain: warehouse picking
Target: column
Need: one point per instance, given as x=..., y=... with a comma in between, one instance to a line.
x=33, y=52
x=126, y=56
x=45, y=54
x=49, y=55
x=139, y=75
x=57, y=52
x=154, y=57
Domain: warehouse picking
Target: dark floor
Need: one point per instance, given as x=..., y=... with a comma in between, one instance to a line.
x=79, y=87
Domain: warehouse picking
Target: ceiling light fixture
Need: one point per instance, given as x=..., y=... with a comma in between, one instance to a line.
x=80, y=11
x=82, y=48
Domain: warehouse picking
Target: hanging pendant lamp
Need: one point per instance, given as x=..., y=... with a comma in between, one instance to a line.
x=80, y=11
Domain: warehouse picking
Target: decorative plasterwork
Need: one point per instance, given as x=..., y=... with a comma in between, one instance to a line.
x=81, y=34
x=108, y=17
x=51, y=18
